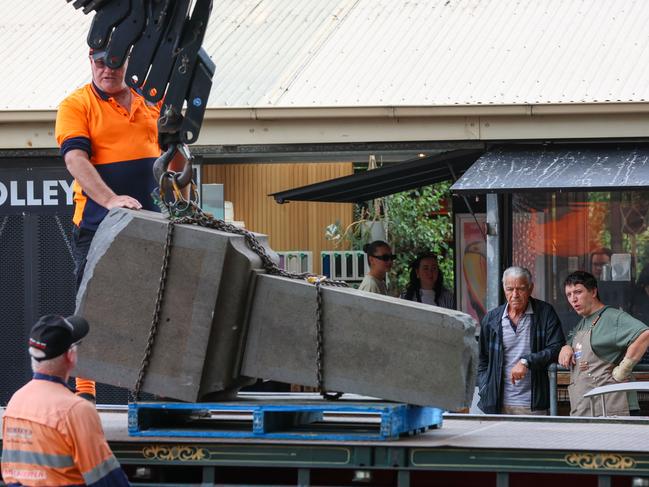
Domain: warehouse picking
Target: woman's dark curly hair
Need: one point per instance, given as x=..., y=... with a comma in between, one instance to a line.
x=371, y=248
x=414, y=285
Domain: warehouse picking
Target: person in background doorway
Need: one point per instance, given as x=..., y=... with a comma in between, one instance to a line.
x=426, y=283
x=602, y=349
x=380, y=258
x=599, y=257
x=518, y=340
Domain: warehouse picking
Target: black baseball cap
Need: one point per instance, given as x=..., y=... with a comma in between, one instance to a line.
x=53, y=335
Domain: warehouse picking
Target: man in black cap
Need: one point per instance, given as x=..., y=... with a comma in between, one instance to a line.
x=50, y=435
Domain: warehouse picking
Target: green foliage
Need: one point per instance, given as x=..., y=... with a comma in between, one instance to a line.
x=354, y=236
x=362, y=230
x=631, y=214
x=415, y=227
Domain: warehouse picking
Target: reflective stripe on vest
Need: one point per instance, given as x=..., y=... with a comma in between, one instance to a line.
x=37, y=458
x=101, y=470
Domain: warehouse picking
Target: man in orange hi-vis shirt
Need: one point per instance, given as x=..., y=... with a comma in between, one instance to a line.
x=108, y=137
x=52, y=437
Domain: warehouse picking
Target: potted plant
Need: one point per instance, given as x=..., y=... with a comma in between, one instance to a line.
x=369, y=224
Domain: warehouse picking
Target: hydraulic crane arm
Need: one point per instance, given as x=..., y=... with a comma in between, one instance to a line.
x=162, y=39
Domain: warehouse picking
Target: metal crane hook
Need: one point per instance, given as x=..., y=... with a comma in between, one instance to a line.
x=162, y=163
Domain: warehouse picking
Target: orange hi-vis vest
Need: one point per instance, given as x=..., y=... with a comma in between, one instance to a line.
x=51, y=437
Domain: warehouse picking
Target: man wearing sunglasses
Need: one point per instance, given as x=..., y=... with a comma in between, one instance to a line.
x=108, y=137
x=380, y=258
x=50, y=436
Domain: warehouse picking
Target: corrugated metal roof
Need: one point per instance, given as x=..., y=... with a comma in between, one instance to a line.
x=44, y=53
x=314, y=53
x=464, y=52
x=261, y=48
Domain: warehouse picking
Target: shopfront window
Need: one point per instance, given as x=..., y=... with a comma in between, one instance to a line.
x=605, y=233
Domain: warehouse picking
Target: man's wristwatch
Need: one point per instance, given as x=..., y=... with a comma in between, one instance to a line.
x=525, y=362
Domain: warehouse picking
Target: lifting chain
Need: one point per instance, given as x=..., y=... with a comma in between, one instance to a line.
x=184, y=211
x=155, y=322
x=319, y=358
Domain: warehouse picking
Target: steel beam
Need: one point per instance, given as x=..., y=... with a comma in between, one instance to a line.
x=493, y=252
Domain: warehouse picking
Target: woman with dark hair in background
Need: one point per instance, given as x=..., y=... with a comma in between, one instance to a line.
x=380, y=258
x=427, y=283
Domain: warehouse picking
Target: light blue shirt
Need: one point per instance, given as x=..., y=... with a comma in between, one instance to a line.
x=515, y=345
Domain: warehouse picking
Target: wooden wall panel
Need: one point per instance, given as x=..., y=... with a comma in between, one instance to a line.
x=291, y=226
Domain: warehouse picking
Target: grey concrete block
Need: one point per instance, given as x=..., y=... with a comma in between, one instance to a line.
x=224, y=321
x=209, y=273
x=374, y=345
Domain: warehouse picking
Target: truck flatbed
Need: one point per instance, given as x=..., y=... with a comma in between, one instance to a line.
x=492, y=450
x=490, y=446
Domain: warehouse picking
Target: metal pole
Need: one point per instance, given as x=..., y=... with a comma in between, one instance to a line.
x=592, y=408
x=493, y=251
x=552, y=375
x=604, y=481
x=502, y=479
x=209, y=476
x=303, y=477
x=403, y=478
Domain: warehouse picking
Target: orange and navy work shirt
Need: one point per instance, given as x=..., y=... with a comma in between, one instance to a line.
x=122, y=146
x=51, y=437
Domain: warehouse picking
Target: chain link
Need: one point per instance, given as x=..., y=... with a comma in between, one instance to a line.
x=155, y=322
x=66, y=240
x=3, y=225
x=319, y=358
x=188, y=212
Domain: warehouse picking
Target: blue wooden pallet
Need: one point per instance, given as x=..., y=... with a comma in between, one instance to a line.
x=316, y=420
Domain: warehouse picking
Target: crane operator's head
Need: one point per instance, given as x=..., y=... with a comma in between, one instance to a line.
x=108, y=80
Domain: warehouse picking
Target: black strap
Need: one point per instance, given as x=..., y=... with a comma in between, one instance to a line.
x=51, y=378
x=592, y=325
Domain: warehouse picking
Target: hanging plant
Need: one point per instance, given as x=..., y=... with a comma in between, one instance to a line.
x=370, y=222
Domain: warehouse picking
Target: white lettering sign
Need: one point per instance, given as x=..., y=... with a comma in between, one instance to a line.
x=49, y=192
x=31, y=200
x=69, y=193
x=13, y=193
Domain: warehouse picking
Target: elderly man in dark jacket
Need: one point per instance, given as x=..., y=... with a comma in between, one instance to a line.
x=518, y=341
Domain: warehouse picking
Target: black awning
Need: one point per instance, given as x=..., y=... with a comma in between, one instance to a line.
x=385, y=180
x=588, y=168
